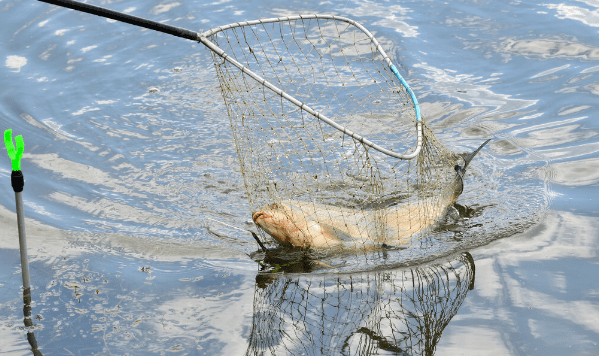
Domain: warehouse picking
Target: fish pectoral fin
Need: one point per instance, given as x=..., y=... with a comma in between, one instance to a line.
x=321, y=235
x=335, y=233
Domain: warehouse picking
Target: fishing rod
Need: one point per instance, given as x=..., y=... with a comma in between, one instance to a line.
x=130, y=19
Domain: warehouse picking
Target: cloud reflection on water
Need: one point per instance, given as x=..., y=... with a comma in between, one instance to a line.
x=551, y=48
x=523, y=294
x=577, y=13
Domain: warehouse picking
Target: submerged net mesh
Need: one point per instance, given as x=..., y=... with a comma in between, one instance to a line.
x=294, y=162
x=401, y=312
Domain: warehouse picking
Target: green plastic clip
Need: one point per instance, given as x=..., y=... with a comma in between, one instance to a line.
x=15, y=155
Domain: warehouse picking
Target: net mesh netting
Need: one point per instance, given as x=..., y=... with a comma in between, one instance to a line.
x=397, y=312
x=309, y=171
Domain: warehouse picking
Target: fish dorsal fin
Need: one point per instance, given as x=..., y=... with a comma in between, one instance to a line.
x=467, y=159
x=471, y=156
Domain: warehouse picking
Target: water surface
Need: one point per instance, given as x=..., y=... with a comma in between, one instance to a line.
x=137, y=214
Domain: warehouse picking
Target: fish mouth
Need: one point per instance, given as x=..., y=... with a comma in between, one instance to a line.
x=258, y=215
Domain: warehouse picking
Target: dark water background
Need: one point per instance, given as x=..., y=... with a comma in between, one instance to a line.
x=135, y=200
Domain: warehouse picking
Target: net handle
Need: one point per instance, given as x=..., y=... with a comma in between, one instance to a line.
x=202, y=38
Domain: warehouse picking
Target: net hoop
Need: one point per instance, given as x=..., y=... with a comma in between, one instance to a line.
x=203, y=38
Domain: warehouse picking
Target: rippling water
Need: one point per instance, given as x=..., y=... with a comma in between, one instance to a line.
x=136, y=205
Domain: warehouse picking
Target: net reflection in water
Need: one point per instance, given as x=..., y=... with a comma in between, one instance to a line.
x=399, y=312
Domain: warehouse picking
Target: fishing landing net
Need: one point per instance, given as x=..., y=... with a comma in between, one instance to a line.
x=327, y=129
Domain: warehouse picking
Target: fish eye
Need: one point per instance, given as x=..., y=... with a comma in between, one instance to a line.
x=275, y=206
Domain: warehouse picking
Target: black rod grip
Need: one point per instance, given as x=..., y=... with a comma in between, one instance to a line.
x=130, y=19
x=17, y=181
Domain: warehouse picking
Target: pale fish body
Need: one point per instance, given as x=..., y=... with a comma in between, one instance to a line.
x=305, y=224
x=320, y=226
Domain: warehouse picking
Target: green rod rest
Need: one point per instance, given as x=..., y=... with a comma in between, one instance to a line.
x=15, y=154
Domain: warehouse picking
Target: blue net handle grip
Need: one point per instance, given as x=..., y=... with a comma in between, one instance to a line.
x=409, y=90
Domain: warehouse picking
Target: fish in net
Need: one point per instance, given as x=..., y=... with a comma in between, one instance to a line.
x=332, y=146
